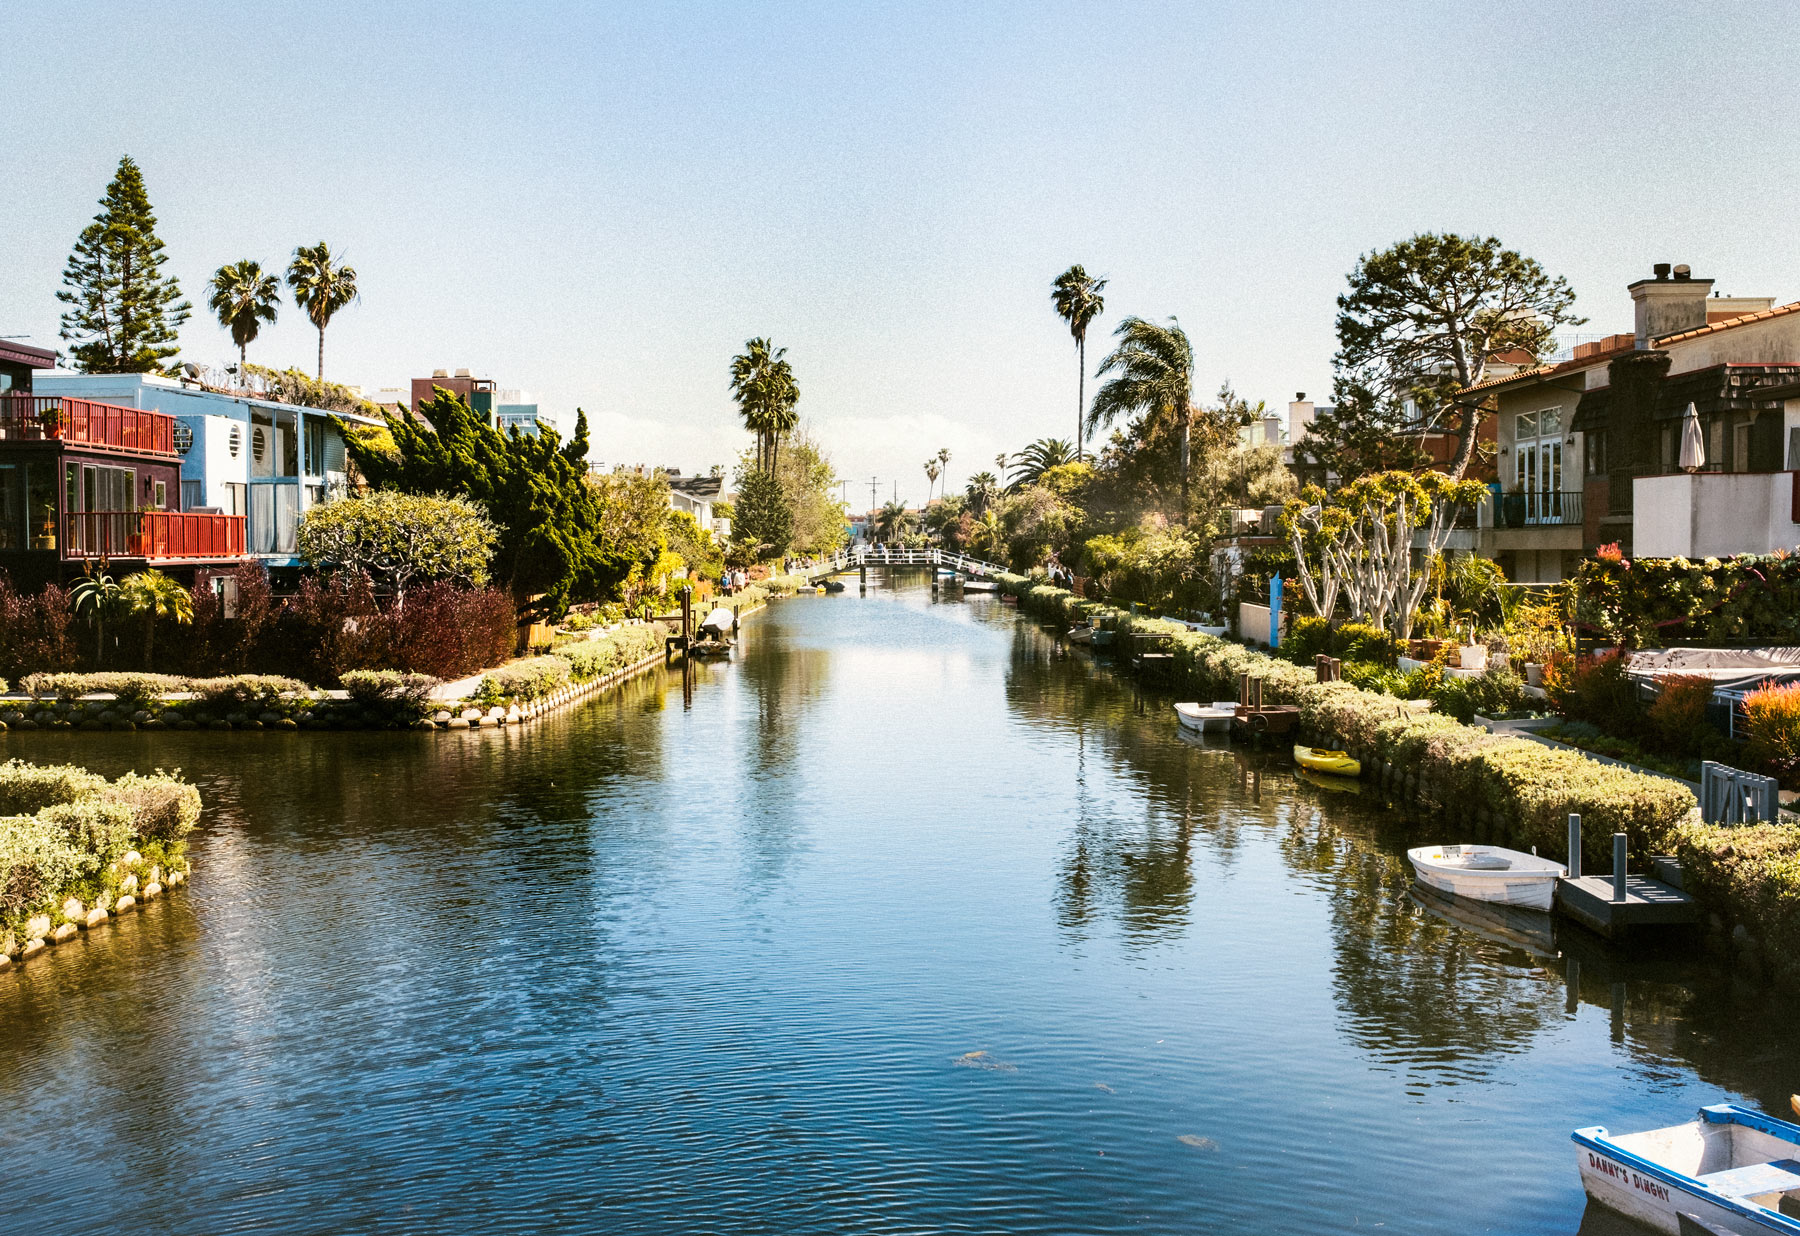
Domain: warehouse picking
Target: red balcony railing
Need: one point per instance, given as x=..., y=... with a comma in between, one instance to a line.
x=55, y=418
x=153, y=535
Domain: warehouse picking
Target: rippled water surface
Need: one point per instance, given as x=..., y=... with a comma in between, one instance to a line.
x=905, y=921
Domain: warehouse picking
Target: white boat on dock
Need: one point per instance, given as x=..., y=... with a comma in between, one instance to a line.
x=980, y=585
x=1488, y=873
x=1203, y=717
x=1730, y=1170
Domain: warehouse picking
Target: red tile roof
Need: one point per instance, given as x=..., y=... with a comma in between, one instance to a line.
x=1714, y=327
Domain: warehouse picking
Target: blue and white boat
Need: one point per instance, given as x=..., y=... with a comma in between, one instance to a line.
x=1730, y=1170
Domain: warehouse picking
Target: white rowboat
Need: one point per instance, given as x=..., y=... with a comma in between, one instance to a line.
x=1203, y=717
x=1488, y=873
x=1730, y=1170
x=980, y=585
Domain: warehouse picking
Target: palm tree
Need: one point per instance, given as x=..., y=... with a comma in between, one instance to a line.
x=1038, y=458
x=891, y=521
x=244, y=298
x=933, y=469
x=1076, y=295
x=321, y=288
x=1155, y=365
x=155, y=595
x=983, y=492
x=943, y=458
x=96, y=595
x=762, y=383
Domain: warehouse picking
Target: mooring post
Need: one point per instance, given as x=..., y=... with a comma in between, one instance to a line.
x=1618, y=866
x=1574, y=846
x=734, y=618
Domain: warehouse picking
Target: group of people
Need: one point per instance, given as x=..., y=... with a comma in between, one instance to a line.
x=731, y=581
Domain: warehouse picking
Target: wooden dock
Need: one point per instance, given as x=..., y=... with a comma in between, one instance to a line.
x=1589, y=900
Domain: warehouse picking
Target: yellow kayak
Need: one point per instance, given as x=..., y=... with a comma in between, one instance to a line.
x=1338, y=763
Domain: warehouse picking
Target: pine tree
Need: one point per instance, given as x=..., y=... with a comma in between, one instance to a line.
x=124, y=312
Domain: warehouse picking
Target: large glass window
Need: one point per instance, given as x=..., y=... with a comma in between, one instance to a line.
x=12, y=506
x=40, y=504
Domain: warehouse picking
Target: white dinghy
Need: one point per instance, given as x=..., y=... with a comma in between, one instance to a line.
x=973, y=584
x=1730, y=1170
x=1488, y=873
x=1203, y=717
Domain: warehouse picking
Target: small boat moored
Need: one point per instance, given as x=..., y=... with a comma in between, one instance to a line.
x=1203, y=717
x=1730, y=1170
x=980, y=585
x=1488, y=873
x=1321, y=760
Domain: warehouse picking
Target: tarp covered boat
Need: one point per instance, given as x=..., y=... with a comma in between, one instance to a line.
x=1729, y=1170
x=718, y=622
x=1488, y=873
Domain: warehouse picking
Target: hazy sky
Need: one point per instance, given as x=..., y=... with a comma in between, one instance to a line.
x=600, y=203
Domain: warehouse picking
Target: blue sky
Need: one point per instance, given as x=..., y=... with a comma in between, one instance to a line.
x=600, y=203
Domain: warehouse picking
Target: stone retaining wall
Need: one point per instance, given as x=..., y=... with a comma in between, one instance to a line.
x=142, y=883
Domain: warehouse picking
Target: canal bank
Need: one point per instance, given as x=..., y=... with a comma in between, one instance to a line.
x=909, y=920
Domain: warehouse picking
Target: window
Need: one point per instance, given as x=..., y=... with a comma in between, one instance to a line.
x=12, y=506
x=1525, y=425
x=1550, y=422
x=192, y=495
x=1595, y=441
x=162, y=495
x=315, y=448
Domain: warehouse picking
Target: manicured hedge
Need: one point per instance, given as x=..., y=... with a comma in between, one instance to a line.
x=1749, y=876
x=64, y=830
x=533, y=678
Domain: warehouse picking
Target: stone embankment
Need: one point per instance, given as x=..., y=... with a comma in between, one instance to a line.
x=139, y=883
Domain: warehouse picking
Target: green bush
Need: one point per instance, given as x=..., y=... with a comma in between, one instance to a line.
x=245, y=692
x=1495, y=691
x=525, y=680
x=163, y=807
x=100, y=826
x=596, y=658
x=1361, y=641
x=132, y=690
x=26, y=789
x=1377, y=678
x=36, y=863
x=375, y=687
x=1306, y=638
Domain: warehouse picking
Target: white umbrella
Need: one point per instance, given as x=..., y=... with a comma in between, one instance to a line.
x=1693, y=444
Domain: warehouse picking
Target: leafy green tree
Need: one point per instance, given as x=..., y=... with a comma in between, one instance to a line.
x=982, y=492
x=634, y=514
x=1423, y=321
x=321, y=287
x=762, y=382
x=292, y=386
x=399, y=538
x=98, y=597
x=695, y=545
x=123, y=312
x=243, y=298
x=1360, y=434
x=806, y=477
x=764, y=524
x=156, y=596
x=1076, y=295
x=1155, y=367
x=533, y=487
x=1038, y=458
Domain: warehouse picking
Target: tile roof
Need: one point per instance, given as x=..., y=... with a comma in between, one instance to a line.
x=1599, y=356
x=1714, y=327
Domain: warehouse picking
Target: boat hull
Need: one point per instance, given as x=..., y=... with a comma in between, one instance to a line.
x=1199, y=718
x=1333, y=763
x=1532, y=887
x=1658, y=1199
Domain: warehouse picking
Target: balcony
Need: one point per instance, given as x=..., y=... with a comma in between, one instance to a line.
x=1714, y=514
x=153, y=535
x=1538, y=510
x=54, y=418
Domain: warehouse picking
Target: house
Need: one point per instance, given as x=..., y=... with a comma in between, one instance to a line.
x=696, y=495
x=230, y=454
x=504, y=409
x=1590, y=444
x=83, y=477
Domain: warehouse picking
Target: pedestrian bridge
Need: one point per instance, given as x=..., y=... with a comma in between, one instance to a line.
x=864, y=556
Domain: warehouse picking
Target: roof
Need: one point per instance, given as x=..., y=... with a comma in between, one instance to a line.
x=13, y=352
x=1717, y=388
x=1600, y=354
x=1713, y=328
x=698, y=486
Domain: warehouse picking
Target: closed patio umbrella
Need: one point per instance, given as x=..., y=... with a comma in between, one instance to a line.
x=1693, y=444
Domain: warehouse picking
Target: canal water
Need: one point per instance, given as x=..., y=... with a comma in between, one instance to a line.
x=909, y=919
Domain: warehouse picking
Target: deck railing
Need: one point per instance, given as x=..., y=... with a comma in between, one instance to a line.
x=1546, y=509
x=153, y=535
x=56, y=418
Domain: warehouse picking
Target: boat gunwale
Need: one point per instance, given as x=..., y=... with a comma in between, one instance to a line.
x=1551, y=869
x=1599, y=1138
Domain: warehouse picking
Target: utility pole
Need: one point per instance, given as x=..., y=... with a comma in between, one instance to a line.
x=872, y=484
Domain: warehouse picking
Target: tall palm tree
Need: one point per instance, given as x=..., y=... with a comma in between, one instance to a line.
x=321, y=287
x=1038, y=458
x=891, y=521
x=155, y=595
x=1155, y=365
x=1076, y=295
x=943, y=459
x=243, y=297
x=933, y=469
x=762, y=383
x=983, y=492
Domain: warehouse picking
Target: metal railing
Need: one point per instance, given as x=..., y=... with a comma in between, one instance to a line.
x=56, y=418
x=1538, y=509
x=152, y=535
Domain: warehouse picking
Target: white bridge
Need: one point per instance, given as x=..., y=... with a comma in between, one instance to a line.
x=864, y=556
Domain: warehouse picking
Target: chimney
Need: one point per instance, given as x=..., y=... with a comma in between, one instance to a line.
x=440, y=373
x=1300, y=416
x=1669, y=303
x=463, y=373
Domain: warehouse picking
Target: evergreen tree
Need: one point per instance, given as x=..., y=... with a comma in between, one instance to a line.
x=123, y=312
x=535, y=489
x=763, y=523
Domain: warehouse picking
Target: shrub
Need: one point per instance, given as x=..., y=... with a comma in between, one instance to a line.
x=450, y=632
x=26, y=789
x=595, y=658
x=36, y=862
x=1496, y=690
x=1306, y=638
x=1677, y=715
x=163, y=807
x=368, y=687
x=1594, y=689
x=531, y=678
x=1373, y=677
x=132, y=690
x=34, y=631
x=1772, y=716
x=245, y=692
x=99, y=826
x=1361, y=641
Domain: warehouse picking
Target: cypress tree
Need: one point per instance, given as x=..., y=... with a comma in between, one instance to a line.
x=123, y=312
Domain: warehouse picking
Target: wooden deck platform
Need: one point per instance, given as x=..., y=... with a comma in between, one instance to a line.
x=1648, y=903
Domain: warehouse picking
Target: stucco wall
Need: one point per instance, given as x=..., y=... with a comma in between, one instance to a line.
x=1713, y=514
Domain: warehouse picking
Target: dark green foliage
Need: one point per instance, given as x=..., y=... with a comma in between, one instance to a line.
x=764, y=523
x=1359, y=434
x=533, y=487
x=123, y=312
x=1654, y=601
x=1491, y=693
